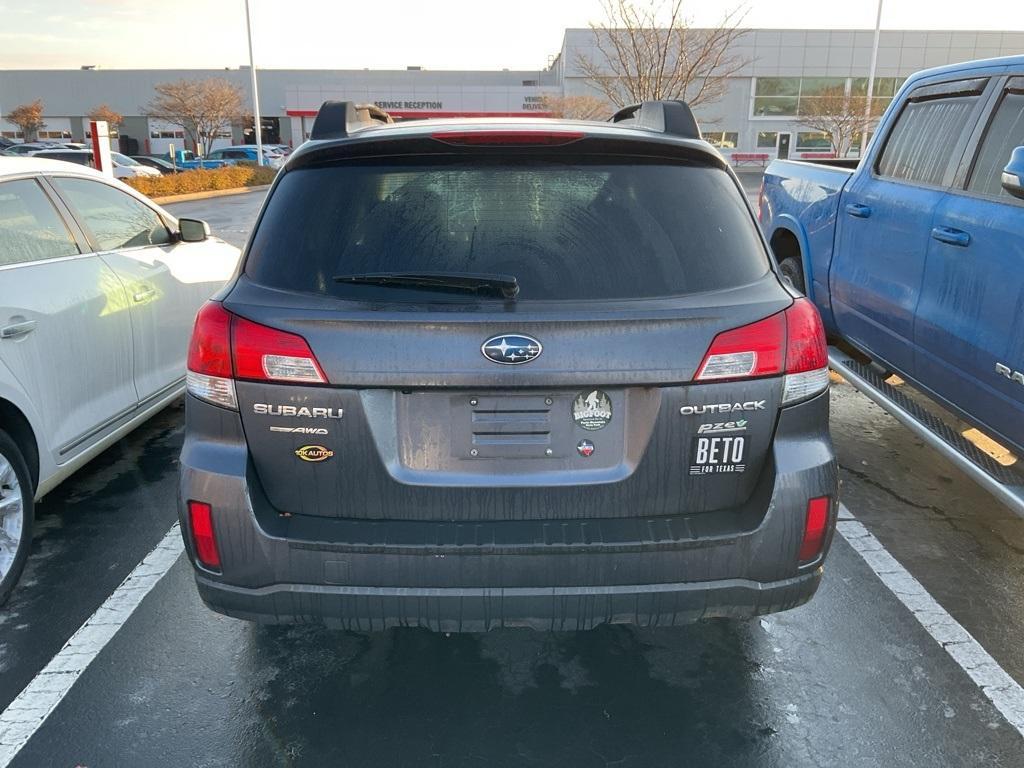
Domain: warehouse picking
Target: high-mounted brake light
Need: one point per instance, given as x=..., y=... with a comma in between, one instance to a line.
x=508, y=138
x=225, y=347
x=815, y=527
x=790, y=342
x=200, y=518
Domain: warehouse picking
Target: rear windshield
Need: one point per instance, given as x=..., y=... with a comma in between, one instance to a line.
x=572, y=229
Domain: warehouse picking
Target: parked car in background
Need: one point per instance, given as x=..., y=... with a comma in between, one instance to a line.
x=916, y=258
x=5, y=143
x=247, y=154
x=187, y=160
x=479, y=373
x=124, y=166
x=98, y=291
x=31, y=147
x=159, y=163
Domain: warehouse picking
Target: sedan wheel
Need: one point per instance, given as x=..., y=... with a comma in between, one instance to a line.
x=16, y=515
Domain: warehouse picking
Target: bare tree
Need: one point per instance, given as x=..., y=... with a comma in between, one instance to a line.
x=576, y=107
x=113, y=118
x=203, y=108
x=29, y=118
x=645, y=52
x=840, y=115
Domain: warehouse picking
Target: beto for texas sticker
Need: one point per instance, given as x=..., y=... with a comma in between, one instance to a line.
x=592, y=410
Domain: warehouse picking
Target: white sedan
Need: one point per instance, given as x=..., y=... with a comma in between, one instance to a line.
x=98, y=291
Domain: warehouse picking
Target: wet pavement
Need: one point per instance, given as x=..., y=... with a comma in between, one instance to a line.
x=850, y=679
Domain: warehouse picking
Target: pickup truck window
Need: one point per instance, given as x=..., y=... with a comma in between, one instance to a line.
x=921, y=147
x=1004, y=134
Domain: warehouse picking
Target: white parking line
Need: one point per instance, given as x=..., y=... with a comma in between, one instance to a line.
x=27, y=713
x=1002, y=690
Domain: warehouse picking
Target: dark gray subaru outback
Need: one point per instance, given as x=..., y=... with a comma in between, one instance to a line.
x=487, y=373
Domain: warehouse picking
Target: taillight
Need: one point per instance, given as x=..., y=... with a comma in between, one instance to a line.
x=747, y=352
x=790, y=342
x=508, y=138
x=267, y=354
x=225, y=347
x=815, y=526
x=200, y=518
x=806, y=353
x=209, y=375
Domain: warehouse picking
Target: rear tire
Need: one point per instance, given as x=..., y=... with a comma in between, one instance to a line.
x=17, y=514
x=793, y=273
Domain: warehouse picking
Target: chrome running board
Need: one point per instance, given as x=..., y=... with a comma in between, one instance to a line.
x=1005, y=483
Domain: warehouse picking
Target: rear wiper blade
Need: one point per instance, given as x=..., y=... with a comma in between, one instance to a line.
x=505, y=286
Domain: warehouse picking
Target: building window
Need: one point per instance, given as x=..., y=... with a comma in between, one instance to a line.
x=722, y=139
x=54, y=134
x=12, y=134
x=814, y=141
x=167, y=134
x=767, y=139
x=781, y=96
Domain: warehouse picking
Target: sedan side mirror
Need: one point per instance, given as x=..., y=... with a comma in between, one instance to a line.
x=193, y=230
x=1013, y=174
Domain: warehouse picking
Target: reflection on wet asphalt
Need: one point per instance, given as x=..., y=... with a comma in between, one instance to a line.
x=850, y=679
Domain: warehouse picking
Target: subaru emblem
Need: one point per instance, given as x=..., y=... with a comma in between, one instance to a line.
x=511, y=349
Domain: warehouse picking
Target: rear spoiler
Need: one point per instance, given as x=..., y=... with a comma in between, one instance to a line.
x=338, y=119
x=671, y=117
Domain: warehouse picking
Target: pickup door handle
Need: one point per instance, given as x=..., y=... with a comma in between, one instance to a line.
x=16, y=330
x=858, y=210
x=951, y=236
x=144, y=294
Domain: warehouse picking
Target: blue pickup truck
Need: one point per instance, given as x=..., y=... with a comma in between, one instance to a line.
x=187, y=160
x=915, y=257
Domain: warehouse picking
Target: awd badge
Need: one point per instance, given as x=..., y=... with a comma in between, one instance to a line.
x=314, y=453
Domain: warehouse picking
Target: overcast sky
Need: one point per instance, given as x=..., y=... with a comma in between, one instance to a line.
x=393, y=34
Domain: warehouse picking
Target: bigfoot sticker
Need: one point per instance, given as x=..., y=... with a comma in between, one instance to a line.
x=592, y=410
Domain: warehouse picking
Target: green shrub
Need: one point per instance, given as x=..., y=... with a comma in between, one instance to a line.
x=199, y=180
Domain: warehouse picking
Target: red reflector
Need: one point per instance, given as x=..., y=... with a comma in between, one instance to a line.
x=209, y=351
x=200, y=517
x=508, y=138
x=814, y=528
x=807, y=349
x=752, y=350
x=267, y=354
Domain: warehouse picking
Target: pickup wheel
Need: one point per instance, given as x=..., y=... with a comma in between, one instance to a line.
x=17, y=514
x=793, y=273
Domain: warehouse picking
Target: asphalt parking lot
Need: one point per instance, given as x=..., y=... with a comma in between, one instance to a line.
x=909, y=655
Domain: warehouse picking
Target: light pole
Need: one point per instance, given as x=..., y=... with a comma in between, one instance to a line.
x=871, y=81
x=257, y=126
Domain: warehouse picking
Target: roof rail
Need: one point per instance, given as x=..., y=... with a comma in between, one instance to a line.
x=338, y=119
x=672, y=117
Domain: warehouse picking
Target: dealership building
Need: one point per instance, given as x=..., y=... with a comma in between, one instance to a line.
x=755, y=115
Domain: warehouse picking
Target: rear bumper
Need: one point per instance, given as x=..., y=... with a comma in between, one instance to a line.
x=474, y=576
x=371, y=609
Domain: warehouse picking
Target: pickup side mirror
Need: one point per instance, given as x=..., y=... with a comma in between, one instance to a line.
x=1013, y=174
x=193, y=230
